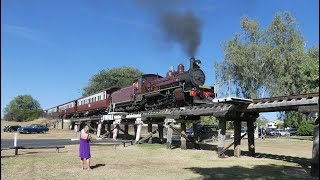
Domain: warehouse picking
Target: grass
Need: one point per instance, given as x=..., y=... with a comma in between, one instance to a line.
x=277, y=158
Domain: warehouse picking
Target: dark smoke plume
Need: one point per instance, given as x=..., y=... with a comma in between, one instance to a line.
x=183, y=29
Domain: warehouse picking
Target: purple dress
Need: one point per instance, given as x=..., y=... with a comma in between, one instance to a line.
x=84, y=149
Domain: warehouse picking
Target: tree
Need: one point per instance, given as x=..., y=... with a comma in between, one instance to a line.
x=309, y=70
x=270, y=62
x=22, y=108
x=122, y=76
x=262, y=62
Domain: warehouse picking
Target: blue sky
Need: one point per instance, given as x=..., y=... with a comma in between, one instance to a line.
x=51, y=48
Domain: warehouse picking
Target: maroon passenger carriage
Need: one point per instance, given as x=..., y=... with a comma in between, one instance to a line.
x=94, y=104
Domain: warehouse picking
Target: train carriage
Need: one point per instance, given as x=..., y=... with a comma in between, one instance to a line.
x=67, y=110
x=53, y=111
x=95, y=103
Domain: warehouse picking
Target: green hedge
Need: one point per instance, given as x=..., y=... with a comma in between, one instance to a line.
x=306, y=128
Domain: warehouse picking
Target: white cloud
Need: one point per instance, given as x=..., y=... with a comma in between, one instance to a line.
x=26, y=33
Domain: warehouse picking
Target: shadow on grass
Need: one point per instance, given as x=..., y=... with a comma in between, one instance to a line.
x=7, y=156
x=271, y=171
x=24, y=152
x=202, y=146
x=304, y=162
x=97, y=165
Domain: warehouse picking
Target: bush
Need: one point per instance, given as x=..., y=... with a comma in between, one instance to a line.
x=306, y=128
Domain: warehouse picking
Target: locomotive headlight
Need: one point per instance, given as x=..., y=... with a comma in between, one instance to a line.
x=193, y=93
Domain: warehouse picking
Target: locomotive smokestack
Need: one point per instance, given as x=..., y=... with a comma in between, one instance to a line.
x=191, y=62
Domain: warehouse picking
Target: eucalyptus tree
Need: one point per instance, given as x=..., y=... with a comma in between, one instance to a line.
x=121, y=76
x=270, y=62
x=264, y=62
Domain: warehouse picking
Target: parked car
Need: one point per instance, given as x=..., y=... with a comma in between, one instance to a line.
x=205, y=132
x=38, y=128
x=274, y=132
x=271, y=131
x=284, y=133
x=243, y=131
x=11, y=128
x=292, y=131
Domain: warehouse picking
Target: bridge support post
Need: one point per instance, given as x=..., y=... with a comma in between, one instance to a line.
x=237, y=135
x=116, y=122
x=250, y=130
x=115, y=131
x=99, y=128
x=221, y=136
x=126, y=130
x=183, y=140
x=315, y=150
x=109, y=129
x=160, y=129
x=62, y=122
x=103, y=128
x=168, y=124
x=149, y=131
x=139, y=127
x=135, y=130
x=196, y=137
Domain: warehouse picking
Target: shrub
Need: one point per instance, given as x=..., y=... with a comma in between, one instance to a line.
x=306, y=128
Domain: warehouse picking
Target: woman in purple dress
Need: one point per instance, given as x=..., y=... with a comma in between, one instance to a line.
x=84, y=148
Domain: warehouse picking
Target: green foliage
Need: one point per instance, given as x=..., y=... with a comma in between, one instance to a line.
x=261, y=121
x=270, y=61
x=209, y=120
x=122, y=76
x=309, y=68
x=306, y=128
x=22, y=108
x=284, y=48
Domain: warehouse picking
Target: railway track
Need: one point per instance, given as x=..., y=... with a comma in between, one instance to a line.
x=273, y=104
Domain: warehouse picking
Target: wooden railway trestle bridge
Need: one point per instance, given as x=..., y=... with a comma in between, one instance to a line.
x=225, y=109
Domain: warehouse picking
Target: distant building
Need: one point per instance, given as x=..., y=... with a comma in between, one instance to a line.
x=274, y=124
x=271, y=124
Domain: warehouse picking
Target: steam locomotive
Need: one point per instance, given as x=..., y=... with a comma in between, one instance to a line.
x=148, y=92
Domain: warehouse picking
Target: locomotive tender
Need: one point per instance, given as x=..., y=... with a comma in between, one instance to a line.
x=148, y=91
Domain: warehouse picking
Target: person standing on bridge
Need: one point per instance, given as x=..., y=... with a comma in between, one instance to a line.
x=84, y=148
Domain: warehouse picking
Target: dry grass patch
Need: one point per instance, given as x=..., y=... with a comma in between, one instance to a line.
x=156, y=162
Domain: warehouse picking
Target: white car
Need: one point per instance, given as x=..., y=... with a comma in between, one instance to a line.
x=243, y=131
x=284, y=133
